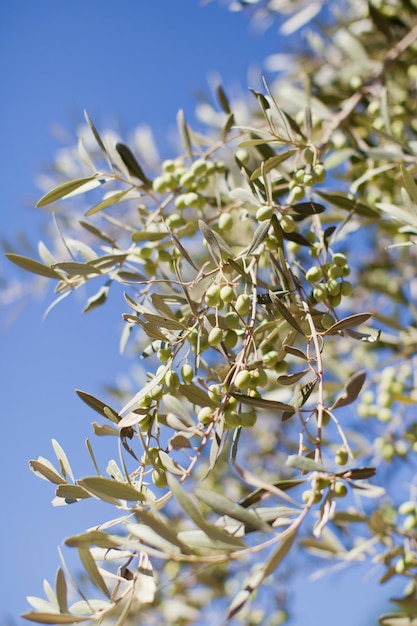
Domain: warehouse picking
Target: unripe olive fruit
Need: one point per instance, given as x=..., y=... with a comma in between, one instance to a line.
x=264, y=213
x=334, y=271
x=160, y=184
x=225, y=222
x=322, y=483
x=194, y=200
x=320, y=293
x=341, y=457
x=174, y=221
x=172, y=379
x=259, y=377
x=248, y=419
x=333, y=287
x=339, y=259
x=309, y=493
x=327, y=321
x=215, y=392
x=169, y=165
x=314, y=274
x=243, y=379
x=243, y=304
x=297, y=194
x=187, y=180
x=212, y=295
x=287, y=223
x=227, y=294
x=339, y=489
x=308, y=180
x=230, y=339
x=164, y=354
x=410, y=522
x=199, y=167
x=319, y=173
x=156, y=392
x=299, y=175
x=187, y=373
x=215, y=336
x=180, y=202
x=309, y=155
x=407, y=508
x=346, y=288
x=232, y=320
x=231, y=419
x=271, y=358
x=159, y=478
x=335, y=300
x=205, y=415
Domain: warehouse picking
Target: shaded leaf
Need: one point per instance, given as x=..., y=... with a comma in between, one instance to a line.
x=46, y=472
x=97, y=299
x=96, y=134
x=259, y=237
x=33, y=266
x=342, y=201
x=61, y=590
x=290, y=379
x=72, y=268
x=285, y=312
x=351, y=391
x=132, y=164
x=214, y=241
x=308, y=208
x=72, y=492
x=92, y=570
x=263, y=403
x=410, y=184
x=184, y=134
x=98, y=405
x=348, y=322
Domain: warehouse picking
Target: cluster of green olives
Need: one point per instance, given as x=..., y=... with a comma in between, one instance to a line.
x=312, y=173
x=379, y=402
x=328, y=281
x=188, y=182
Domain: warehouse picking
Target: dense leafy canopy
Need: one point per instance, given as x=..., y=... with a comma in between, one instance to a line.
x=268, y=271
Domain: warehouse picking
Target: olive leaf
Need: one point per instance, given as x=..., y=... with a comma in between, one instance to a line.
x=351, y=391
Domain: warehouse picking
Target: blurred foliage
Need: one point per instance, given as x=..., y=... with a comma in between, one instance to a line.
x=268, y=270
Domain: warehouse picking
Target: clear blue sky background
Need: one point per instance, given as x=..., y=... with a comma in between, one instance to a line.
x=141, y=62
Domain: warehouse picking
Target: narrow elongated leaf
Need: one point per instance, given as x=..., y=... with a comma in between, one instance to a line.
x=290, y=379
x=132, y=165
x=53, y=618
x=305, y=464
x=93, y=538
x=92, y=570
x=342, y=201
x=308, y=208
x=133, y=404
x=256, y=579
x=410, y=184
x=214, y=241
x=259, y=237
x=196, y=395
x=63, y=460
x=348, y=322
x=402, y=214
x=184, y=134
x=33, y=266
x=96, y=134
x=285, y=312
x=189, y=506
x=110, y=201
x=46, y=472
x=61, y=590
x=295, y=352
x=224, y=102
x=224, y=506
x=351, y=391
x=108, y=489
x=97, y=299
x=272, y=163
x=79, y=185
x=164, y=322
x=163, y=529
x=263, y=403
x=98, y=405
x=77, y=269
x=72, y=492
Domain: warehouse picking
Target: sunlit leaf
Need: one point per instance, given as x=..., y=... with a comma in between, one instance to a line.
x=305, y=464
x=33, y=266
x=107, y=489
x=72, y=187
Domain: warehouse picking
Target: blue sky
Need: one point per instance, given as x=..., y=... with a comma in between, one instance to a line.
x=138, y=62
